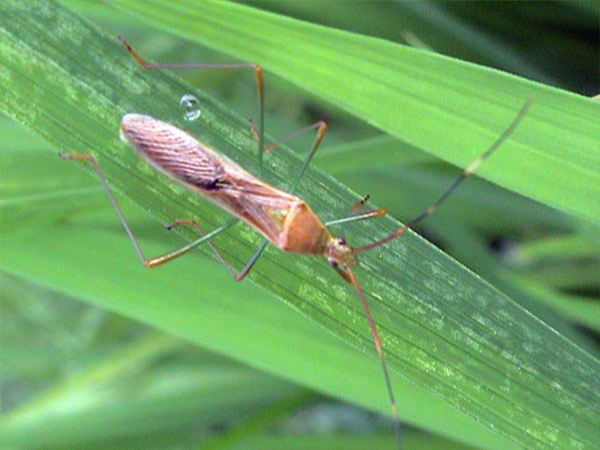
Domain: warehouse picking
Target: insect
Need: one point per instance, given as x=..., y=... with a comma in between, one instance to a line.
x=282, y=218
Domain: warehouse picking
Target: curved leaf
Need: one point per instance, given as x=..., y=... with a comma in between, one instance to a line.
x=443, y=106
x=442, y=326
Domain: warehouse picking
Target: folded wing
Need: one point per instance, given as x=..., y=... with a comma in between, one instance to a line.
x=190, y=162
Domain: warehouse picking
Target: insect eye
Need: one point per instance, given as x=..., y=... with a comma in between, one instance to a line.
x=341, y=241
x=332, y=263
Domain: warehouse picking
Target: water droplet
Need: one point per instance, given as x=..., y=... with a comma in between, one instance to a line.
x=189, y=104
x=380, y=256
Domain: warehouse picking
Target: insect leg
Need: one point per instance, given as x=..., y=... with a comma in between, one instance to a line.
x=239, y=276
x=362, y=216
x=289, y=137
x=465, y=173
x=320, y=126
x=258, y=77
x=356, y=217
x=157, y=260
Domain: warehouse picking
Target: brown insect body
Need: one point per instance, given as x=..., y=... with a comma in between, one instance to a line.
x=284, y=219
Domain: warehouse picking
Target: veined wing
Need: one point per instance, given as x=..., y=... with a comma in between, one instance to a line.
x=186, y=160
x=171, y=150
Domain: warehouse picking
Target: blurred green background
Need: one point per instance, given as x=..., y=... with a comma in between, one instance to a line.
x=77, y=376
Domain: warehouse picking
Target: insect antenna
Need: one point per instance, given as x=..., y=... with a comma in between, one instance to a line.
x=465, y=173
x=378, y=350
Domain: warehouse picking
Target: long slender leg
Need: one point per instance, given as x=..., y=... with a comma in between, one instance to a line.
x=320, y=126
x=380, y=212
x=371, y=214
x=157, y=260
x=465, y=173
x=258, y=77
x=239, y=276
x=289, y=137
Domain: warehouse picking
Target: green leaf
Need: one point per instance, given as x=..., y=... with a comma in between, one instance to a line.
x=443, y=106
x=91, y=367
x=243, y=321
x=581, y=310
x=558, y=248
x=442, y=327
x=411, y=440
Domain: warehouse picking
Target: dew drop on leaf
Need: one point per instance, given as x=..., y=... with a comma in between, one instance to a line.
x=189, y=104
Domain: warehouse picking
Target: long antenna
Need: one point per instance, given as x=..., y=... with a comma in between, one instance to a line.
x=465, y=173
x=378, y=350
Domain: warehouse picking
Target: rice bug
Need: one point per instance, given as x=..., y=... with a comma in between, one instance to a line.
x=282, y=218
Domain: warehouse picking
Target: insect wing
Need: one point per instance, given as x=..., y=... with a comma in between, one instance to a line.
x=257, y=203
x=186, y=160
x=171, y=151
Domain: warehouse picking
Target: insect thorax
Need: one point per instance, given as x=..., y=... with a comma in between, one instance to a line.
x=303, y=232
